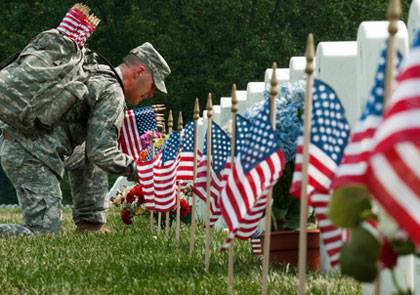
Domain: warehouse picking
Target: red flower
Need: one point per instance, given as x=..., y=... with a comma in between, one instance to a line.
x=388, y=256
x=125, y=216
x=140, y=199
x=185, y=208
x=135, y=191
x=130, y=198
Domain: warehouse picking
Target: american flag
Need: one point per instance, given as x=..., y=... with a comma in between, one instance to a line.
x=186, y=164
x=352, y=169
x=164, y=175
x=394, y=165
x=256, y=245
x=220, y=146
x=145, y=173
x=136, y=123
x=329, y=135
x=256, y=168
x=77, y=26
x=250, y=223
x=331, y=236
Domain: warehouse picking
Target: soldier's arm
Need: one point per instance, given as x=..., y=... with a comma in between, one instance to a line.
x=105, y=121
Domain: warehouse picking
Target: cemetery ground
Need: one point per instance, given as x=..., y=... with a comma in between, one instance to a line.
x=136, y=260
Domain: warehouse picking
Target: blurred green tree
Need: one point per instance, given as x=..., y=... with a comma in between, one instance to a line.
x=209, y=44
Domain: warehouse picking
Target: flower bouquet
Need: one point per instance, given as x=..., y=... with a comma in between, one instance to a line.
x=130, y=201
x=185, y=207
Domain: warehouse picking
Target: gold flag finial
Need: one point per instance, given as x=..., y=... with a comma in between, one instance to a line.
x=209, y=106
x=93, y=19
x=196, y=109
x=274, y=82
x=394, y=15
x=180, y=122
x=310, y=53
x=234, y=107
x=170, y=121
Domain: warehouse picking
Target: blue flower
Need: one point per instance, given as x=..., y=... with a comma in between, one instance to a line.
x=289, y=107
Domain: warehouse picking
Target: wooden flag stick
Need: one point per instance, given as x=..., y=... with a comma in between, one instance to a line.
x=207, y=231
x=170, y=122
x=159, y=213
x=170, y=127
x=178, y=200
x=159, y=221
x=394, y=14
x=268, y=208
x=153, y=157
x=158, y=108
x=194, y=205
x=310, y=51
x=234, y=110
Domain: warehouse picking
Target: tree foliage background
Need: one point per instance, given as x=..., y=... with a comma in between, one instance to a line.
x=209, y=44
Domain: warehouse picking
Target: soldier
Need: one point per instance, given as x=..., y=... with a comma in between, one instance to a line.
x=35, y=163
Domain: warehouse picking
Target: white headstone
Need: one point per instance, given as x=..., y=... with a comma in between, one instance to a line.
x=200, y=133
x=254, y=92
x=413, y=21
x=371, y=38
x=120, y=183
x=216, y=113
x=297, y=66
x=225, y=110
x=282, y=75
x=242, y=102
x=215, y=117
x=336, y=64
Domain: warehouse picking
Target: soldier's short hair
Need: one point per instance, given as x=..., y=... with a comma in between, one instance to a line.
x=133, y=60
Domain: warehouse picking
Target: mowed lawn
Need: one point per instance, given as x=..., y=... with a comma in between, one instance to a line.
x=136, y=260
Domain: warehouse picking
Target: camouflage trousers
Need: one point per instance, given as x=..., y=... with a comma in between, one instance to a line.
x=89, y=186
x=39, y=193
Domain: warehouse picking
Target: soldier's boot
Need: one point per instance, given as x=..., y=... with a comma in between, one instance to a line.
x=85, y=227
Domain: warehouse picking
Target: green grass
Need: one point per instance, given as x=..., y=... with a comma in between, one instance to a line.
x=138, y=261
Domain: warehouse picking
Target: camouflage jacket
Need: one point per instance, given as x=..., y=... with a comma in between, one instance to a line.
x=97, y=120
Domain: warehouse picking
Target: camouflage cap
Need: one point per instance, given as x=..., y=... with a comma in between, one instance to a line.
x=157, y=64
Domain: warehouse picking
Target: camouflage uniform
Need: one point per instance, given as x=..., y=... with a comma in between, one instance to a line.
x=88, y=185
x=35, y=165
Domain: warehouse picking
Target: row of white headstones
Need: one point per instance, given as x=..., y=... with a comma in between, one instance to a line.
x=349, y=67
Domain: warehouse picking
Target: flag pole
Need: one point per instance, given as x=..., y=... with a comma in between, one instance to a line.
x=393, y=14
x=158, y=107
x=306, y=138
x=268, y=208
x=194, y=205
x=170, y=127
x=234, y=110
x=153, y=157
x=209, y=157
x=178, y=201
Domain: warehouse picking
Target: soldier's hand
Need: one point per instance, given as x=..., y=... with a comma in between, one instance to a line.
x=133, y=175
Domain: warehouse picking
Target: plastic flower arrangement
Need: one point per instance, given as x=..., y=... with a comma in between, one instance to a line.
x=289, y=110
x=146, y=140
x=289, y=107
x=130, y=201
x=369, y=250
x=185, y=210
x=144, y=155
